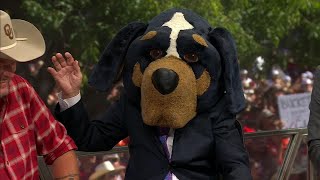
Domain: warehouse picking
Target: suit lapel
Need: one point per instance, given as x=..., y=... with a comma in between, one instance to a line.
x=155, y=140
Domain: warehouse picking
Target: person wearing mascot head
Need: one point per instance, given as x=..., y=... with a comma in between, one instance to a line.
x=182, y=91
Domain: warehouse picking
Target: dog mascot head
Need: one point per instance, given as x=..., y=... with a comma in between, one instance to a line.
x=174, y=67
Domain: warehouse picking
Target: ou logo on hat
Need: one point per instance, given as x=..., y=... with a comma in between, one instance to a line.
x=8, y=31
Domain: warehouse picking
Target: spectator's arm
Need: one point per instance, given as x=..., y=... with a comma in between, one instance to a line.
x=65, y=167
x=51, y=136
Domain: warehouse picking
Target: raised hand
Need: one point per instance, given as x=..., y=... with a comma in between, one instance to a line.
x=67, y=74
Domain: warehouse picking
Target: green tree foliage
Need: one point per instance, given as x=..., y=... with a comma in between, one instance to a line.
x=276, y=30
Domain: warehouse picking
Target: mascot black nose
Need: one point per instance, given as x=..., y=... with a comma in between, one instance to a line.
x=165, y=80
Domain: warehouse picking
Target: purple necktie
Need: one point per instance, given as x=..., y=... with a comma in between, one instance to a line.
x=163, y=136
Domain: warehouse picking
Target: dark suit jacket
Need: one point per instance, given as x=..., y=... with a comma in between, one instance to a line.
x=314, y=121
x=208, y=145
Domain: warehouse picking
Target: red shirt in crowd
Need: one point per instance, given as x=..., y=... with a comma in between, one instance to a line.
x=28, y=129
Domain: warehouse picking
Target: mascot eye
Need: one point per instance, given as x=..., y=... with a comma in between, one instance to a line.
x=192, y=57
x=156, y=53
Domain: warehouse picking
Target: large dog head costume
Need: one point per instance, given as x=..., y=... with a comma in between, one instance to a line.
x=174, y=67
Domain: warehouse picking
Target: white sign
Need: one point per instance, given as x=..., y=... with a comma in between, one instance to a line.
x=294, y=110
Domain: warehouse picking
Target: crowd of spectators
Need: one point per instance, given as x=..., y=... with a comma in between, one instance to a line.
x=103, y=167
x=262, y=114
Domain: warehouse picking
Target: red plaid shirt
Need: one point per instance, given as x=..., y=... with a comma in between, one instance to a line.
x=28, y=129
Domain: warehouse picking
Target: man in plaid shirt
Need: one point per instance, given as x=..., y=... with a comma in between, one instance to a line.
x=27, y=127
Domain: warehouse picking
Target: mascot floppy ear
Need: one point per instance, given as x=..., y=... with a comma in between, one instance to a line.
x=109, y=68
x=222, y=40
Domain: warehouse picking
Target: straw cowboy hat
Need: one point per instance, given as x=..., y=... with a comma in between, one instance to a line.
x=105, y=168
x=19, y=40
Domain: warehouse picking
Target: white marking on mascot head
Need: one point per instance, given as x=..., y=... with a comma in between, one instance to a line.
x=176, y=23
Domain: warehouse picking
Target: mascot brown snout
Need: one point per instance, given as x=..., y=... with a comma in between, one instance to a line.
x=169, y=91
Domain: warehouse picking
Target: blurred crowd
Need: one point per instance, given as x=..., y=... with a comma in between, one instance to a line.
x=103, y=167
x=262, y=114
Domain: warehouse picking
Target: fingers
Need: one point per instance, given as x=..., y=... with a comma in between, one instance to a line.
x=69, y=57
x=76, y=67
x=53, y=72
x=61, y=60
x=56, y=63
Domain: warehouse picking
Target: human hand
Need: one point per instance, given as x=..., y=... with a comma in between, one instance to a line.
x=67, y=74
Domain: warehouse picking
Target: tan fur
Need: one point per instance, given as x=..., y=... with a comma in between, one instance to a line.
x=172, y=110
x=199, y=40
x=149, y=35
x=137, y=75
x=203, y=83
